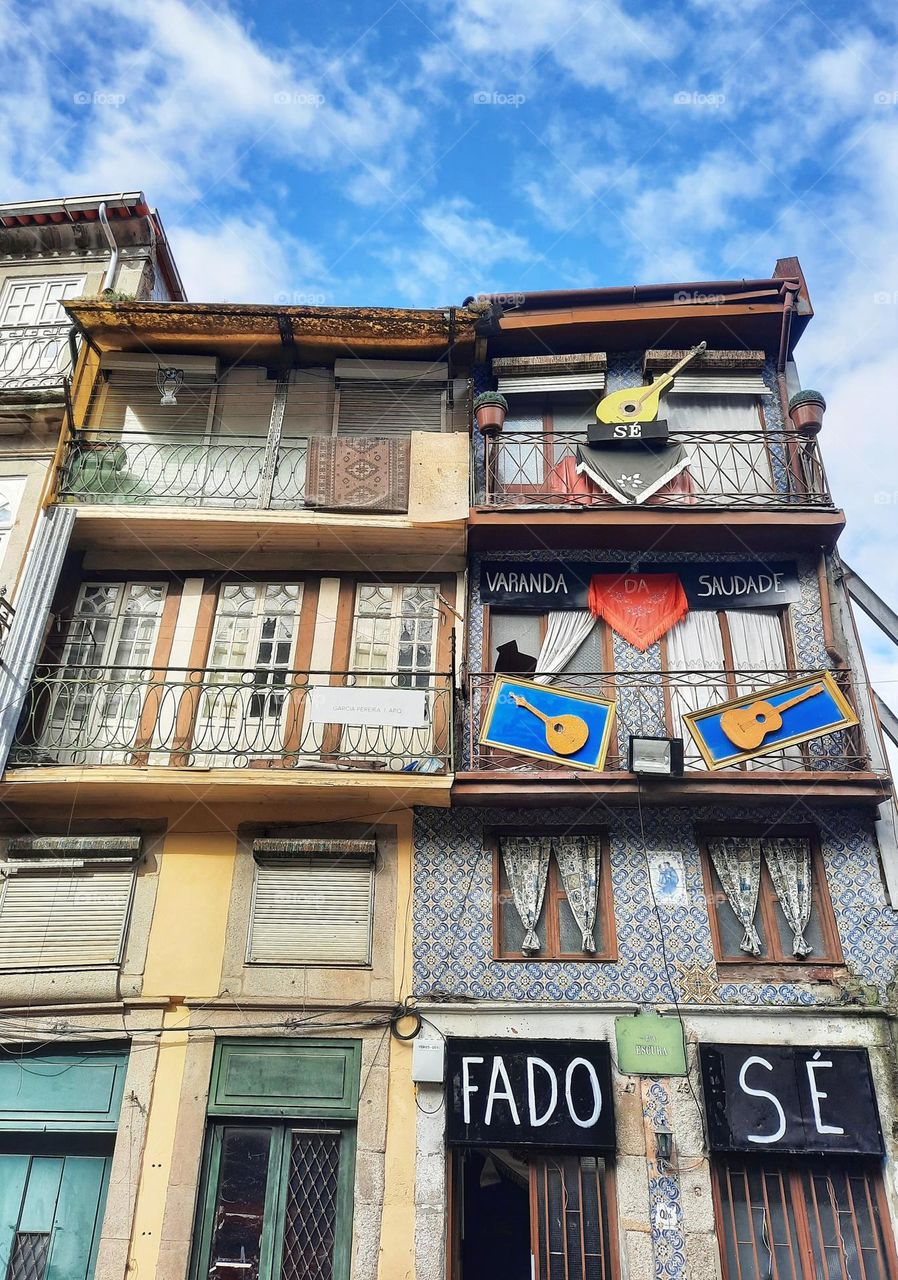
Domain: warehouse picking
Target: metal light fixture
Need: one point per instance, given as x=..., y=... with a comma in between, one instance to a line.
x=663, y=1145
x=656, y=757
x=169, y=383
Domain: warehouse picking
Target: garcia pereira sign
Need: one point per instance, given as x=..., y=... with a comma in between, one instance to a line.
x=530, y=1093
x=561, y=584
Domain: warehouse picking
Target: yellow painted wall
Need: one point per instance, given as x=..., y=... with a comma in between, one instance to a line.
x=397, y=1236
x=189, y=923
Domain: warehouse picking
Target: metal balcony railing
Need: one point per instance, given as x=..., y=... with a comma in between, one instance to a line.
x=653, y=704
x=222, y=718
x=216, y=471
x=34, y=357
x=740, y=469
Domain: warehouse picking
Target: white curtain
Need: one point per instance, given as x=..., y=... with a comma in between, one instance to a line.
x=789, y=864
x=566, y=629
x=737, y=862
x=723, y=464
x=756, y=636
x=578, y=862
x=526, y=861
x=695, y=645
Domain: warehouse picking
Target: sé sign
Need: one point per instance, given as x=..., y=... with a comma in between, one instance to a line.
x=766, y=1098
x=546, y=1093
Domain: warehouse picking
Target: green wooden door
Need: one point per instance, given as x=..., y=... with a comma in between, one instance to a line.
x=50, y=1212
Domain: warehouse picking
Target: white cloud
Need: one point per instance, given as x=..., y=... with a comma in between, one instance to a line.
x=243, y=260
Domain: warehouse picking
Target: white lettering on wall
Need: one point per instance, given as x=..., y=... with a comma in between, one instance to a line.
x=536, y=1120
x=495, y=1095
x=816, y=1094
x=539, y=584
x=467, y=1088
x=596, y=1092
x=762, y=1093
x=735, y=584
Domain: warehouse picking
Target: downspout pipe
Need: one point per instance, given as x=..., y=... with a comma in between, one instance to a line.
x=110, y=238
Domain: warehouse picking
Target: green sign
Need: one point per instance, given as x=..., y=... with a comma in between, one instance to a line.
x=649, y=1045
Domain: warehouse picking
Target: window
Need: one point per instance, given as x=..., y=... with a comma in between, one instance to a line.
x=552, y=897
x=722, y=430
x=35, y=300
x=791, y=920
x=541, y=643
x=539, y=441
x=394, y=634
x=802, y=1220
x=312, y=909
x=389, y=398
x=66, y=912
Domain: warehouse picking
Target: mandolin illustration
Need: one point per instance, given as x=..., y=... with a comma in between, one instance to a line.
x=565, y=735
x=640, y=404
x=748, y=726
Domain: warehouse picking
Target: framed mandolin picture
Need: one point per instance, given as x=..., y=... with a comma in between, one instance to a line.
x=770, y=719
x=547, y=723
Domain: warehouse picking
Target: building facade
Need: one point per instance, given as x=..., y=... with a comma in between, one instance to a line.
x=659, y=982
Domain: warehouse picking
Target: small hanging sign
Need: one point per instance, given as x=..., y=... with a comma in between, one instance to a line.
x=781, y=716
x=548, y=724
x=649, y=1045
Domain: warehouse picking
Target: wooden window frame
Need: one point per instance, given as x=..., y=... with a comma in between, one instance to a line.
x=551, y=950
x=487, y=642
x=790, y=1172
x=821, y=902
x=343, y=631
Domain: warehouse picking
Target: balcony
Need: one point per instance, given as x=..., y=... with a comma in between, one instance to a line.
x=743, y=480
x=120, y=725
x=834, y=768
x=35, y=357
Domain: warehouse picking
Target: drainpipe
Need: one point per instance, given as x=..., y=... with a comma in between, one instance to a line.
x=783, y=355
x=113, y=261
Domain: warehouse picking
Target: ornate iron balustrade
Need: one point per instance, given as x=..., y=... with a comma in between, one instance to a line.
x=742, y=469
x=221, y=718
x=143, y=469
x=34, y=357
x=652, y=704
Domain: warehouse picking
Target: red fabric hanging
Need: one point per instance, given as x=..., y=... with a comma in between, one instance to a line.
x=641, y=607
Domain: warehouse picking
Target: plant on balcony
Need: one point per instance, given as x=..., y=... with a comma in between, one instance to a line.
x=490, y=409
x=806, y=409
x=117, y=295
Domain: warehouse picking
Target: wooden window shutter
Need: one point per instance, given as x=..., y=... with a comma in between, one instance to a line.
x=389, y=407
x=312, y=911
x=719, y=384
x=69, y=917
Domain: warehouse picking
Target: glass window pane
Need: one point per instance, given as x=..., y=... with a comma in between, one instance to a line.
x=511, y=931
x=729, y=928
x=514, y=636
x=239, y=1209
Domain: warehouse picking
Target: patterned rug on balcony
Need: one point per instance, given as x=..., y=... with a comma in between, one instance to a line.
x=357, y=473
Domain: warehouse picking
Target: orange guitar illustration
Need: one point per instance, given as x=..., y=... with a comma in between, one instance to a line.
x=748, y=726
x=565, y=735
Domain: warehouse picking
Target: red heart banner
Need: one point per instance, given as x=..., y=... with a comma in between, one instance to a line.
x=641, y=607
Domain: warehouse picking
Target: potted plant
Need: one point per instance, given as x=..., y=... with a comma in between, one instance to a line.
x=490, y=409
x=806, y=409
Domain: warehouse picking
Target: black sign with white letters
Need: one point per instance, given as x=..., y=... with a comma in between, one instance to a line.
x=767, y=1098
x=530, y=1093
x=541, y=585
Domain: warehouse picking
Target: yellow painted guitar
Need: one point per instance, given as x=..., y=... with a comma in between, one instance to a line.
x=565, y=735
x=747, y=727
x=640, y=404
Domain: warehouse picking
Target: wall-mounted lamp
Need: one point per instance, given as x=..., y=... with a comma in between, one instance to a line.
x=169, y=383
x=663, y=1145
x=656, y=757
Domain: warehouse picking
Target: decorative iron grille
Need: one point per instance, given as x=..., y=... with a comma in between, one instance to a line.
x=652, y=703
x=219, y=717
x=28, y=1259
x=311, y=1211
x=742, y=469
x=34, y=357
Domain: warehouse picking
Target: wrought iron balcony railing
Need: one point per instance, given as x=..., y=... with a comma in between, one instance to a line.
x=222, y=718
x=653, y=704
x=740, y=469
x=34, y=357
x=216, y=471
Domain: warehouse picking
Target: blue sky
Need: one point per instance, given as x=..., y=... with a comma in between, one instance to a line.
x=416, y=151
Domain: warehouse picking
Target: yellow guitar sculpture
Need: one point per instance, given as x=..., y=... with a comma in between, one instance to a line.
x=565, y=735
x=640, y=404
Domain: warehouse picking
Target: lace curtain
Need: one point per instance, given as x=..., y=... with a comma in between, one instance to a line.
x=737, y=861
x=578, y=859
x=526, y=861
x=566, y=630
x=789, y=864
x=723, y=463
x=695, y=645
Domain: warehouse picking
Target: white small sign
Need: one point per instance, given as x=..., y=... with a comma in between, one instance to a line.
x=369, y=707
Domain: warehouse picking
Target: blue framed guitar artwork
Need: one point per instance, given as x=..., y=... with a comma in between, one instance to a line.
x=547, y=723
x=781, y=716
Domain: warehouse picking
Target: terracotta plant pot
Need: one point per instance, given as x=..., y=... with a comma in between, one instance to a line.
x=806, y=409
x=490, y=409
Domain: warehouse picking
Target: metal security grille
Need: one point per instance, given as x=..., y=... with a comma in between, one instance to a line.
x=311, y=1215
x=28, y=1260
x=802, y=1221
x=387, y=408
x=572, y=1228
